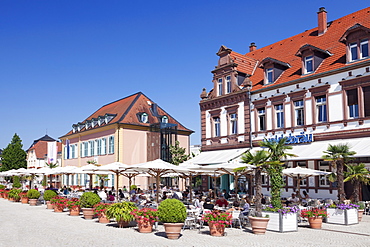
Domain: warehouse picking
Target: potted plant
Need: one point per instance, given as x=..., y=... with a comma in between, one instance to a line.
x=172, y=213
x=74, y=206
x=344, y=214
x=24, y=198
x=59, y=203
x=283, y=219
x=145, y=219
x=361, y=210
x=88, y=200
x=48, y=194
x=2, y=190
x=314, y=216
x=121, y=212
x=100, y=210
x=33, y=195
x=14, y=195
x=217, y=221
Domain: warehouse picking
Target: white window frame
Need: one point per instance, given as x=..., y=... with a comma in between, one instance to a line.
x=299, y=107
x=306, y=61
x=217, y=126
x=111, y=145
x=362, y=44
x=261, y=114
x=323, y=179
x=228, y=84
x=321, y=104
x=353, y=47
x=144, y=117
x=234, y=123
x=103, y=146
x=219, y=86
x=164, y=119
x=279, y=112
x=268, y=72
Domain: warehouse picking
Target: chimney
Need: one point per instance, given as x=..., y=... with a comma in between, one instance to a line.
x=252, y=47
x=322, y=21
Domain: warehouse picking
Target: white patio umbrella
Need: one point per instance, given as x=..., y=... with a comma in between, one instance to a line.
x=156, y=168
x=300, y=173
x=90, y=170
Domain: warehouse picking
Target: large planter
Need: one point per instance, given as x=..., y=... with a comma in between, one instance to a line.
x=49, y=205
x=74, y=211
x=282, y=223
x=342, y=216
x=259, y=224
x=360, y=214
x=103, y=219
x=144, y=226
x=24, y=200
x=216, y=230
x=173, y=230
x=88, y=213
x=32, y=202
x=58, y=209
x=315, y=222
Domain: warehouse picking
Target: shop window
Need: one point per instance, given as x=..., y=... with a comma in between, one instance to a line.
x=323, y=179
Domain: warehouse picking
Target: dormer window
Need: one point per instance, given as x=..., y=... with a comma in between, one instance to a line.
x=273, y=69
x=312, y=57
x=219, y=87
x=357, y=40
x=164, y=119
x=144, y=117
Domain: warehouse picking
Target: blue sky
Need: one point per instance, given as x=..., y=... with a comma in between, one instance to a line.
x=62, y=60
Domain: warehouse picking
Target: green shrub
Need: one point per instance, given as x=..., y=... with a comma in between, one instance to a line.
x=33, y=194
x=133, y=187
x=44, y=182
x=2, y=186
x=14, y=193
x=172, y=211
x=89, y=199
x=16, y=183
x=121, y=211
x=48, y=194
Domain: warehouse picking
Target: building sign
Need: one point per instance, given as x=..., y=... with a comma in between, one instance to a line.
x=294, y=139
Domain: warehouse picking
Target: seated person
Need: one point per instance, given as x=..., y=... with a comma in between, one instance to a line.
x=134, y=199
x=292, y=200
x=246, y=206
x=234, y=207
x=208, y=204
x=222, y=202
x=111, y=197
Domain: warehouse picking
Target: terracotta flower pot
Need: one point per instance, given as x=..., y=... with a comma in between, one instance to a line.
x=32, y=202
x=58, y=209
x=122, y=223
x=103, y=219
x=259, y=224
x=216, y=230
x=173, y=230
x=49, y=205
x=315, y=222
x=11, y=199
x=144, y=226
x=360, y=214
x=88, y=213
x=24, y=200
x=74, y=212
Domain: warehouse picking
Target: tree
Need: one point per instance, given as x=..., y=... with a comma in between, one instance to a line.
x=51, y=165
x=259, y=159
x=277, y=151
x=357, y=174
x=178, y=154
x=14, y=157
x=338, y=155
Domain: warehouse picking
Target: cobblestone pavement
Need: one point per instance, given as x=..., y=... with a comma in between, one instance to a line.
x=23, y=225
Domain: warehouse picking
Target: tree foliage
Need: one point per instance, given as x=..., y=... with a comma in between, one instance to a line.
x=357, y=174
x=14, y=157
x=178, y=154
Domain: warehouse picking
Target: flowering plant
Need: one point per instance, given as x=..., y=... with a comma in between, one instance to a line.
x=145, y=215
x=101, y=208
x=217, y=217
x=59, y=201
x=284, y=210
x=343, y=206
x=315, y=212
x=23, y=194
x=73, y=203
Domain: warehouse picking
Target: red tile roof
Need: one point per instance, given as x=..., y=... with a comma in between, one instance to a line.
x=41, y=149
x=126, y=109
x=286, y=50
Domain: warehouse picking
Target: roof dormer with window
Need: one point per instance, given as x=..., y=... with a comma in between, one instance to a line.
x=357, y=40
x=312, y=57
x=273, y=68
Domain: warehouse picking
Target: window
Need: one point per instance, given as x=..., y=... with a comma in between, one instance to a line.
x=73, y=151
x=90, y=150
x=219, y=85
x=228, y=84
x=164, y=119
x=279, y=116
x=234, y=123
x=366, y=97
x=308, y=64
x=299, y=112
x=111, y=145
x=324, y=180
x=217, y=126
x=82, y=154
x=261, y=119
x=269, y=76
x=364, y=48
x=359, y=50
x=321, y=108
x=86, y=149
x=99, y=146
x=303, y=165
x=144, y=118
x=104, y=146
x=353, y=51
x=352, y=101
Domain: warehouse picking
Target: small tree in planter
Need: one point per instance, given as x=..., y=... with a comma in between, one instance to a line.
x=14, y=194
x=100, y=210
x=48, y=194
x=74, y=206
x=121, y=212
x=172, y=213
x=33, y=195
x=16, y=183
x=59, y=203
x=23, y=195
x=88, y=200
x=145, y=218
